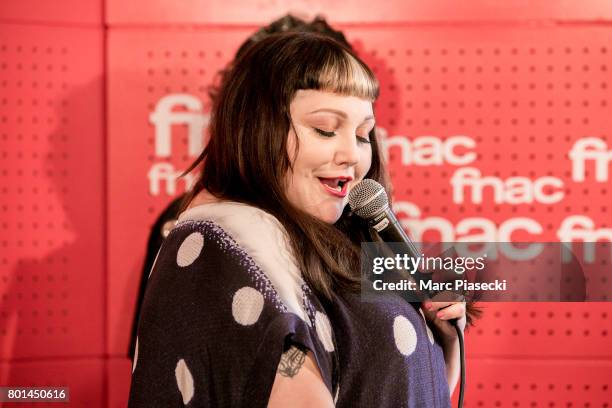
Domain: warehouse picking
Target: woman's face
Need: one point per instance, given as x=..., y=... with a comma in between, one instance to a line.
x=334, y=151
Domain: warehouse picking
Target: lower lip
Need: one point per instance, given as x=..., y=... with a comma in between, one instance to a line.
x=335, y=192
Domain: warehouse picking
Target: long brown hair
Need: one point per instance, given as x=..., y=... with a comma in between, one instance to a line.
x=246, y=157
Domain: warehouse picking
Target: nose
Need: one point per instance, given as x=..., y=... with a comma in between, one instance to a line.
x=347, y=151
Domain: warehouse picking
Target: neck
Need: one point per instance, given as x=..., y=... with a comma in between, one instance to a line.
x=203, y=197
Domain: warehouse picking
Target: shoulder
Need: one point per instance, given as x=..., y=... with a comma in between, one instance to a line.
x=249, y=237
x=246, y=224
x=226, y=288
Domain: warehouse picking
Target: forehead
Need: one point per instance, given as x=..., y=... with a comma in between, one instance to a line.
x=307, y=101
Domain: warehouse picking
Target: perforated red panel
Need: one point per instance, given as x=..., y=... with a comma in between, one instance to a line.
x=82, y=12
x=562, y=382
x=51, y=192
x=84, y=377
x=543, y=330
x=352, y=11
x=119, y=371
x=508, y=109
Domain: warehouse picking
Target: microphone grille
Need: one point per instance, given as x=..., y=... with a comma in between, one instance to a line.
x=368, y=198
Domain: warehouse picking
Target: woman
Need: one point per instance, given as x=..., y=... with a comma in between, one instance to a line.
x=254, y=297
x=167, y=219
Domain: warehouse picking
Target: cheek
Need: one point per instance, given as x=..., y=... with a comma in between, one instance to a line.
x=311, y=156
x=292, y=146
x=364, y=164
x=304, y=153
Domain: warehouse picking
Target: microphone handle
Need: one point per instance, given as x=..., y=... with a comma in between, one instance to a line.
x=388, y=227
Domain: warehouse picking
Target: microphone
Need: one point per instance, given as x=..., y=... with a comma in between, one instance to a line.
x=368, y=200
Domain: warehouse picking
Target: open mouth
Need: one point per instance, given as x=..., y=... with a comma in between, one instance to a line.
x=337, y=186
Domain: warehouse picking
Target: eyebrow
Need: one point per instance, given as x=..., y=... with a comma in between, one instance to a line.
x=339, y=113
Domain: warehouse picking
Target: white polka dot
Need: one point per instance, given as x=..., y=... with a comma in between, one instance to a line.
x=135, y=355
x=405, y=335
x=190, y=249
x=184, y=381
x=429, y=333
x=247, y=306
x=324, y=331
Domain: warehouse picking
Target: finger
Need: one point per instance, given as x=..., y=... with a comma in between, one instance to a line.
x=443, y=325
x=430, y=308
x=437, y=305
x=447, y=296
x=429, y=315
x=455, y=311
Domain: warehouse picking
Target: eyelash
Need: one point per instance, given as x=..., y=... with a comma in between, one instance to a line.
x=331, y=134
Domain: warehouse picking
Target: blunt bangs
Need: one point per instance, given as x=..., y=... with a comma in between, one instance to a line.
x=329, y=66
x=348, y=76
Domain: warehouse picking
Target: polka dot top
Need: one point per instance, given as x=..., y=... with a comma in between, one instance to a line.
x=224, y=299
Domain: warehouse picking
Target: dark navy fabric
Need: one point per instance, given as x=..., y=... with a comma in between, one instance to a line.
x=213, y=327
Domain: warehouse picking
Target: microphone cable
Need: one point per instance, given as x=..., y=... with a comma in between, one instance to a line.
x=453, y=322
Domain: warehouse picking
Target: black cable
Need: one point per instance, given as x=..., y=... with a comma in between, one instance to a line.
x=462, y=360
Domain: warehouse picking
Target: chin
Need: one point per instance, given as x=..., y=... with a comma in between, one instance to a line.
x=329, y=213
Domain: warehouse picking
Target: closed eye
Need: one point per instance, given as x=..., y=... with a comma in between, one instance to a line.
x=324, y=133
x=361, y=139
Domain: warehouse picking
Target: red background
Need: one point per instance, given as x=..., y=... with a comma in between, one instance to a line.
x=79, y=80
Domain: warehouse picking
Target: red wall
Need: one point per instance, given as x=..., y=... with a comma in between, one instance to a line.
x=88, y=93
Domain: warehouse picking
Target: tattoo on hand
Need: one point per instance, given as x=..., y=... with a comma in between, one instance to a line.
x=291, y=361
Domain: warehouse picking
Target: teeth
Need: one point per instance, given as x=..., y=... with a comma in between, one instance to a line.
x=338, y=188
